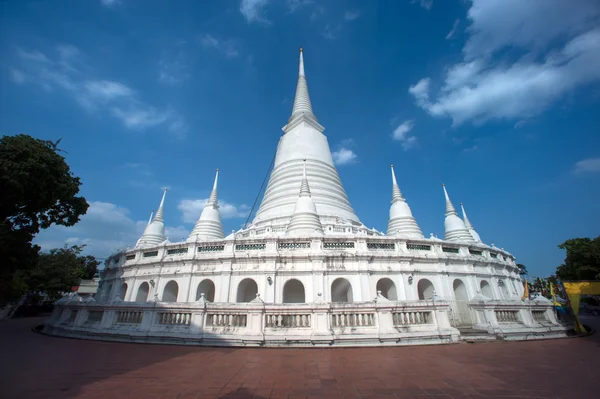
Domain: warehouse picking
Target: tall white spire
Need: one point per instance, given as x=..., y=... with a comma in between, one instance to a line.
x=151, y=214
x=154, y=233
x=209, y=226
x=304, y=221
x=302, y=105
x=468, y=225
x=455, y=229
x=304, y=140
x=401, y=223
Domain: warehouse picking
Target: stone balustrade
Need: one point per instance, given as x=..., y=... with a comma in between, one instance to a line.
x=256, y=323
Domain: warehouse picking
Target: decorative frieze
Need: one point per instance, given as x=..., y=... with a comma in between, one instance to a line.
x=418, y=247
x=475, y=252
x=177, y=251
x=338, y=244
x=451, y=250
x=150, y=254
x=130, y=257
x=293, y=245
x=381, y=246
x=249, y=247
x=211, y=248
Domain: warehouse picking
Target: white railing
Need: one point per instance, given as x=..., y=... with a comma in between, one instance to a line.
x=408, y=318
x=257, y=323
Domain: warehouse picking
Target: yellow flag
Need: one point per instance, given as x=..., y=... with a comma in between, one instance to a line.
x=526, y=292
x=554, y=301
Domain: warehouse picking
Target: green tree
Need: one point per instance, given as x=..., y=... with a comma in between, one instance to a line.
x=582, y=261
x=38, y=190
x=522, y=269
x=60, y=269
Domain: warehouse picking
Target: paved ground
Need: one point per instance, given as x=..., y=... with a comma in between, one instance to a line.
x=36, y=366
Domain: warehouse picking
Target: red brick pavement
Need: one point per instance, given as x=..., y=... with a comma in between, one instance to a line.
x=37, y=366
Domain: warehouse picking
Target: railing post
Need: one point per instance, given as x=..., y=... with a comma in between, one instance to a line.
x=385, y=320
x=321, y=330
x=108, y=318
x=81, y=317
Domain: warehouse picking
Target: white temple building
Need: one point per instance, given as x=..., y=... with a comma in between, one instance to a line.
x=307, y=272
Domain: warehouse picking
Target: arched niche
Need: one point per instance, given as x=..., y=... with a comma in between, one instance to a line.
x=425, y=289
x=123, y=291
x=293, y=292
x=341, y=291
x=206, y=287
x=460, y=290
x=486, y=289
x=170, y=292
x=387, y=288
x=142, y=292
x=247, y=290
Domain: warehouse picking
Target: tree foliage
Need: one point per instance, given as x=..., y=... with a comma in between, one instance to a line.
x=582, y=261
x=522, y=269
x=38, y=190
x=60, y=269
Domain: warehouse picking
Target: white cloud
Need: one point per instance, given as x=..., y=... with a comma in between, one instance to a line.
x=192, y=208
x=294, y=5
x=104, y=229
x=590, y=165
x=427, y=4
x=331, y=32
x=344, y=156
x=401, y=134
x=110, y=3
x=558, y=47
x=173, y=66
x=253, y=10
x=351, y=15
x=226, y=47
x=68, y=72
x=17, y=76
x=452, y=32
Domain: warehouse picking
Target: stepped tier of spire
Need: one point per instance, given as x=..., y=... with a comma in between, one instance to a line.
x=303, y=150
x=454, y=227
x=303, y=139
x=209, y=226
x=154, y=234
x=401, y=223
x=305, y=220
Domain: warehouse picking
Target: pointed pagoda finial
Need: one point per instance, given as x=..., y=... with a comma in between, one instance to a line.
x=213, y=199
x=151, y=214
x=160, y=213
x=396, y=193
x=304, y=188
x=449, y=207
x=301, y=68
x=302, y=103
x=465, y=218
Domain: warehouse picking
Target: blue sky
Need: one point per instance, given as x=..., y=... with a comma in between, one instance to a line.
x=497, y=99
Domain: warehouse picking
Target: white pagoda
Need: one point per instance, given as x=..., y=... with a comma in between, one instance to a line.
x=307, y=272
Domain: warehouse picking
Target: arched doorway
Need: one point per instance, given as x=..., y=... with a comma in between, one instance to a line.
x=486, y=289
x=387, y=288
x=504, y=289
x=341, y=291
x=108, y=292
x=206, y=287
x=293, y=292
x=425, y=289
x=142, y=292
x=460, y=313
x=123, y=291
x=170, y=292
x=247, y=290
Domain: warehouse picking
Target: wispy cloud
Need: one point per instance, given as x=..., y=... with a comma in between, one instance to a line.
x=192, y=208
x=294, y=5
x=401, y=134
x=587, y=166
x=173, y=66
x=226, y=47
x=110, y=3
x=68, y=72
x=561, y=52
x=452, y=32
x=104, y=229
x=253, y=10
x=332, y=32
x=345, y=155
x=426, y=4
x=351, y=15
